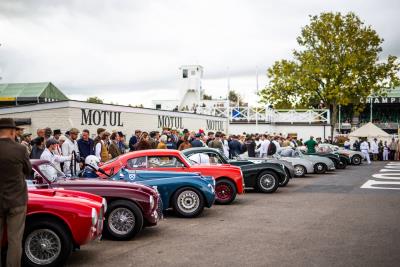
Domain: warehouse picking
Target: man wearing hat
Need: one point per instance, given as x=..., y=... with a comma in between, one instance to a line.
x=26, y=141
x=69, y=148
x=18, y=134
x=50, y=153
x=14, y=168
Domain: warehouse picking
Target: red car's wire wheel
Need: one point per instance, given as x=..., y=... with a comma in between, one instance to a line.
x=223, y=191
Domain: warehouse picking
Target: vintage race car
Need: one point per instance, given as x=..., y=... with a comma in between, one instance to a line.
x=340, y=161
x=57, y=222
x=320, y=164
x=229, y=179
x=186, y=193
x=263, y=176
x=131, y=206
x=356, y=157
x=301, y=166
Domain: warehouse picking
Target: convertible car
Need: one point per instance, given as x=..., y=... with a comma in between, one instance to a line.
x=130, y=206
x=229, y=179
x=263, y=176
x=320, y=164
x=57, y=222
x=340, y=161
x=186, y=193
x=355, y=157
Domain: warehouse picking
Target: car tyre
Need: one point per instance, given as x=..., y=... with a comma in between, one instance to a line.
x=54, y=234
x=342, y=165
x=320, y=168
x=285, y=180
x=267, y=182
x=225, y=191
x=299, y=170
x=188, y=202
x=123, y=220
x=356, y=160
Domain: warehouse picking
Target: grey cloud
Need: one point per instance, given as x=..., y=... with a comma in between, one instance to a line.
x=93, y=45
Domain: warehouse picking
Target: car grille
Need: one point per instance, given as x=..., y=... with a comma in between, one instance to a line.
x=160, y=208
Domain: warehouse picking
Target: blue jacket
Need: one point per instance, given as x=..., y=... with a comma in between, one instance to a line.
x=197, y=143
x=86, y=148
x=235, y=148
x=132, y=141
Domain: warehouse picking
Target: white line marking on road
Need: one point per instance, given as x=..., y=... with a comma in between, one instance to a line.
x=390, y=172
x=387, y=176
x=372, y=184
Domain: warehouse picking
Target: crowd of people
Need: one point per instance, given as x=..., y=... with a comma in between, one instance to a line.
x=60, y=148
x=68, y=150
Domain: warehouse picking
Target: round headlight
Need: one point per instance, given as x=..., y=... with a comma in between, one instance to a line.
x=151, y=202
x=95, y=217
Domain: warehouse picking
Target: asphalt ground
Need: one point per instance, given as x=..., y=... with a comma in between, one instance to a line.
x=318, y=220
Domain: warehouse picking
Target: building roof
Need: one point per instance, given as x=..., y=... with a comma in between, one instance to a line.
x=13, y=91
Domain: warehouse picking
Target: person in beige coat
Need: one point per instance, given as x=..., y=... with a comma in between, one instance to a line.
x=397, y=153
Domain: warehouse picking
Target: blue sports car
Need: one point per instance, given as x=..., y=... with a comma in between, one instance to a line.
x=186, y=193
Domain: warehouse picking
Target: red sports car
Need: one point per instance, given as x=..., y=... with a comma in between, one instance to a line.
x=57, y=222
x=131, y=206
x=229, y=179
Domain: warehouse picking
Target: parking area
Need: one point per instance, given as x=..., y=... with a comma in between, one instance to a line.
x=318, y=220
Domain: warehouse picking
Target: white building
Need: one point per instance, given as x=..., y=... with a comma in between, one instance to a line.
x=82, y=115
x=191, y=92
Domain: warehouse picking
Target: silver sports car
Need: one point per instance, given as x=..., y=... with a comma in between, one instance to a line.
x=320, y=164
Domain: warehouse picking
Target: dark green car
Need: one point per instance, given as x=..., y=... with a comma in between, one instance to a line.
x=341, y=161
x=265, y=176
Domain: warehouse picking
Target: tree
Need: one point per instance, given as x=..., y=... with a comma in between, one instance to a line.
x=235, y=98
x=207, y=97
x=337, y=63
x=94, y=99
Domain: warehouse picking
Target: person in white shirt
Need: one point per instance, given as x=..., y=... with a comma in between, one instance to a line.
x=225, y=145
x=364, y=147
x=277, y=145
x=200, y=158
x=49, y=154
x=375, y=149
x=69, y=148
x=385, y=151
x=264, y=144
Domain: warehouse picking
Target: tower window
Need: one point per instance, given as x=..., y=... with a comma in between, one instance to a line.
x=184, y=73
x=192, y=73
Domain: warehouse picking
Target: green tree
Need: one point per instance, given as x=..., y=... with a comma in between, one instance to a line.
x=235, y=98
x=207, y=97
x=94, y=99
x=337, y=62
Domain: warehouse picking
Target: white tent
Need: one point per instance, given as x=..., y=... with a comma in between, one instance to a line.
x=370, y=131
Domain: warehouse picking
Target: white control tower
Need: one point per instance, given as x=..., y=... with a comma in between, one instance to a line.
x=191, y=92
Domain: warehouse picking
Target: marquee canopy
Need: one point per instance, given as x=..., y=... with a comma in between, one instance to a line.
x=370, y=130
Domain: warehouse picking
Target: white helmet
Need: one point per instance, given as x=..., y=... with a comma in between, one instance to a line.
x=92, y=161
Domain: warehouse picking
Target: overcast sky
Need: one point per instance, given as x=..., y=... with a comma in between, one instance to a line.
x=129, y=51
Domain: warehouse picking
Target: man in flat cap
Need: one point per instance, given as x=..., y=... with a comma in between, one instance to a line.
x=26, y=141
x=70, y=147
x=50, y=153
x=14, y=168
